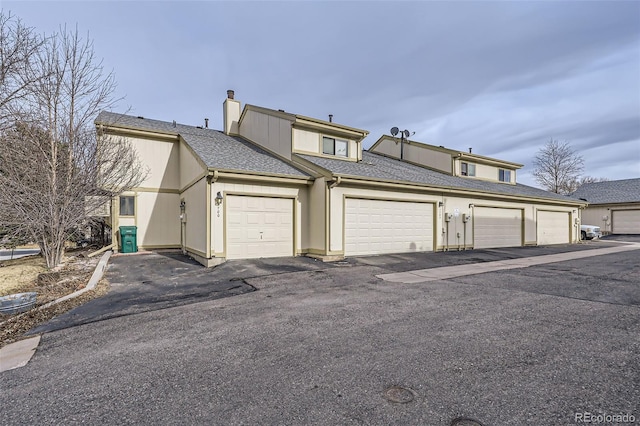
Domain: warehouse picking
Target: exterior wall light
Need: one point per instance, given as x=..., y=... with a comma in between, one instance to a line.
x=218, y=198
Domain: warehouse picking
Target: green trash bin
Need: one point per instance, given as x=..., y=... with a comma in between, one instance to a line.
x=128, y=239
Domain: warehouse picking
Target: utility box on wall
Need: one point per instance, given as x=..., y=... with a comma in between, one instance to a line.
x=128, y=239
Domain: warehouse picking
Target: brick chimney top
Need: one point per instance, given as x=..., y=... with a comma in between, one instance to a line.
x=230, y=94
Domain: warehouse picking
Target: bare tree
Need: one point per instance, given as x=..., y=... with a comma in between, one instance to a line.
x=574, y=184
x=55, y=169
x=19, y=47
x=556, y=166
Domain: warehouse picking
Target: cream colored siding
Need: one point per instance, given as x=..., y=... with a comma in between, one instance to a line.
x=274, y=133
x=553, y=227
x=162, y=160
x=497, y=227
x=190, y=168
x=305, y=141
x=487, y=172
x=157, y=219
x=421, y=155
x=259, y=227
x=602, y=215
x=378, y=226
x=195, y=224
x=317, y=215
x=626, y=221
x=231, y=188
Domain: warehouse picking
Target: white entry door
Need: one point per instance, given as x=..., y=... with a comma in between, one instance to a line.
x=497, y=227
x=258, y=227
x=378, y=226
x=553, y=227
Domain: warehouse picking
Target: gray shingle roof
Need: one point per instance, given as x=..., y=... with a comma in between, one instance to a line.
x=377, y=166
x=217, y=150
x=613, y=191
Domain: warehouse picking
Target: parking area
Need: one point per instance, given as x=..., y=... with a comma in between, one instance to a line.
x=332, y=344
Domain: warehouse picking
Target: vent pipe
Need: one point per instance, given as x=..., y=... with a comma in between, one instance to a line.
x=469, y=150
x=206, y=123
x=230, y=94
x=330, y=118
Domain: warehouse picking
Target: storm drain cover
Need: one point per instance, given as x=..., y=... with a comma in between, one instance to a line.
x=399, y=394
x=464, y=421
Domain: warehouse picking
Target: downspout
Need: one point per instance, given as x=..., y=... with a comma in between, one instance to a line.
x=336, y=182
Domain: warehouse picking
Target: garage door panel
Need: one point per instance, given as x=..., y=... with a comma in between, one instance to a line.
x=378, y=226
x=553, y=227
x=497, y=227
x=259, y=227
x=625, y=221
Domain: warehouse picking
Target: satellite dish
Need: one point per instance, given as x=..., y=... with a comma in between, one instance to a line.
x=394, y=131
x=406, y=133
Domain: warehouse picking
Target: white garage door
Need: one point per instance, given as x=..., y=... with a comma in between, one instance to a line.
x=377, y=227
x=259, y=227
x=626, y=221
x=497, y=227
x=553, y=227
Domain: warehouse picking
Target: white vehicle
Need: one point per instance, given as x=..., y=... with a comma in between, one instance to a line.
x=589, y=232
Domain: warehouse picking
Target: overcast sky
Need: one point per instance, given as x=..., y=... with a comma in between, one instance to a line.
x=501, y=77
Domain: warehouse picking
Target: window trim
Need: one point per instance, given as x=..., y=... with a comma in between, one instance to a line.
x=504, y=173
x=335, y=141
x=133, y=197
x=470, y=169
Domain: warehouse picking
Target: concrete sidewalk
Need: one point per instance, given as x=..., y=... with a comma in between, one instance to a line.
x=435, y=274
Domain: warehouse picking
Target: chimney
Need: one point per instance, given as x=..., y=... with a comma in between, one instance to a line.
x=231, y=114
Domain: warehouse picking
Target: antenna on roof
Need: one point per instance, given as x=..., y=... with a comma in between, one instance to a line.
x=403, y=135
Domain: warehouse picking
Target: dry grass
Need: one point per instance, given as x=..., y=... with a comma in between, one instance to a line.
x=20, y=273
x=30, y=274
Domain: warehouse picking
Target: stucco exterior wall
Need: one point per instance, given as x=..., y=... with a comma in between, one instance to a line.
x=274, y=133
x=195, y=225
x=301, y=205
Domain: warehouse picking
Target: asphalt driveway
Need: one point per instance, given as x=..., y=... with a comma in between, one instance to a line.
x=541, y=345
x=159, y=280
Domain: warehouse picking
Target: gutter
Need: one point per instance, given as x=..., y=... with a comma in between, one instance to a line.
x=457, y=191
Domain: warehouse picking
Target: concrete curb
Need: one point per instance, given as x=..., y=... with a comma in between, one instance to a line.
x=93, y=281
x=18, y=354
x=447, y=272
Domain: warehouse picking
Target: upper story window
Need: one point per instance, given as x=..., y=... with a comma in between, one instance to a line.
x=337, y=147
x=127, y=206
x=504, y=175
x=467, y=169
